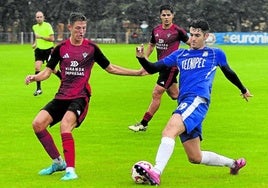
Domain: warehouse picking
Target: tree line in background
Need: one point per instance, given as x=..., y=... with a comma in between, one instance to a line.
x=113, y=16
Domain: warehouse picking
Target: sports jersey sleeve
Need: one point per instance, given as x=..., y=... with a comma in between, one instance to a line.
x=220, y=58
x=171, y=60
x=151, y=68
x=100, y=58
x=152, y=40
x=54, y=58
x=183, y=35
x=228, y=72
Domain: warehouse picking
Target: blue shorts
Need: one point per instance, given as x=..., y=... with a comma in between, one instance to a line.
x=193, y=111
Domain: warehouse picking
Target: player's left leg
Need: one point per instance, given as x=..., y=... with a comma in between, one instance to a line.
x=38, y=65
x=73, y=117
x=156, y=100
x=173, y=91
x=68, y=123
x=196, y=156
x=171, y=83
x=153, y=107
x=40, y=123
x=173, y=128
x=57, y=73
x=166, y=81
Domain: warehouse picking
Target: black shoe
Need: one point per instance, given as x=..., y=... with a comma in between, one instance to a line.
x=37, y=92
x=137, y=127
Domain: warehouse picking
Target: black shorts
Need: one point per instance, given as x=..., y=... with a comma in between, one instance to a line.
x=57, y=108
x=42, y=55
x=167, y=77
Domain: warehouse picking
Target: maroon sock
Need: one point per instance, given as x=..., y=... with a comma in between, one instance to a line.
x=68, y=149
x=48, y=143
x=146, y=118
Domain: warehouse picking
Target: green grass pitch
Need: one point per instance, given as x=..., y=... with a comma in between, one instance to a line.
x=106, y=149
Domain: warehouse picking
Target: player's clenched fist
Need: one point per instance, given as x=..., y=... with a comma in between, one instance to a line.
x=29, y=79
x=140, y=51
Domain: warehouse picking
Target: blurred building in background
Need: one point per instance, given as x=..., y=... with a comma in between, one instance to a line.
x=123, y=21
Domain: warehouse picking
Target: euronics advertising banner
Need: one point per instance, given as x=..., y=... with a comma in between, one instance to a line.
x=243, y=38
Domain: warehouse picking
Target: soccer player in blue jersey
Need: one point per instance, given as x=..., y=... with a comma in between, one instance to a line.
x=197, y=67
x=76, y=57
x=166, y=38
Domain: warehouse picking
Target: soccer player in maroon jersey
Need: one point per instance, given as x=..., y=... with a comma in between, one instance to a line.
x=165, y=38
x=76, y=57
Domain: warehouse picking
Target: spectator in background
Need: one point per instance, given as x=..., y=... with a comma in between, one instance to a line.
x=43, y=45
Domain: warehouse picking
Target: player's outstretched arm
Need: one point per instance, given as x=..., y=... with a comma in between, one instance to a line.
x=43, y=75
x=246, y=95
x=151, y=68
x=118, y=70
x=149, y=50
x=232, y=77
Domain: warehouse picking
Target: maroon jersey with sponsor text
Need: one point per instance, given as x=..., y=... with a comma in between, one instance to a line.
x=76, y=63
x=167, y=40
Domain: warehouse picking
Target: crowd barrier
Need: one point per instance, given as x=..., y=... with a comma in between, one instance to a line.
x=238, y=38
x=221, y=38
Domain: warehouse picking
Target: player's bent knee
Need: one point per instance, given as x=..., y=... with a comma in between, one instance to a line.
x=168, y=132
x=194, y=160
x=174, y=96
x=38, y=126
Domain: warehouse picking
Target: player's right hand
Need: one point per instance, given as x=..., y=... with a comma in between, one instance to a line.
x=140, y=51
x=143, y=72
x=29, y=79
x=246, y=95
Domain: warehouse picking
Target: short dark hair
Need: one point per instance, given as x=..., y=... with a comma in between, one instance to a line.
x=166, y=7
x=76, y=16
x=200, y=23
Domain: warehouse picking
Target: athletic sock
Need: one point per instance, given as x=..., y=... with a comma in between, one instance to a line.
x=38, y=83
x=48, y=144
x=213, y=159
x=70, y=169
x=146, y=118
x=164, y=153
x=58, y=160
x=68, y=149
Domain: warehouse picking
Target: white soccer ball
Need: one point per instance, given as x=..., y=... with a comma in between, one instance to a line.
x=137, y=178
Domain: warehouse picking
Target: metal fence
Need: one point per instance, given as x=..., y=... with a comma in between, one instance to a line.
x=120, y=37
